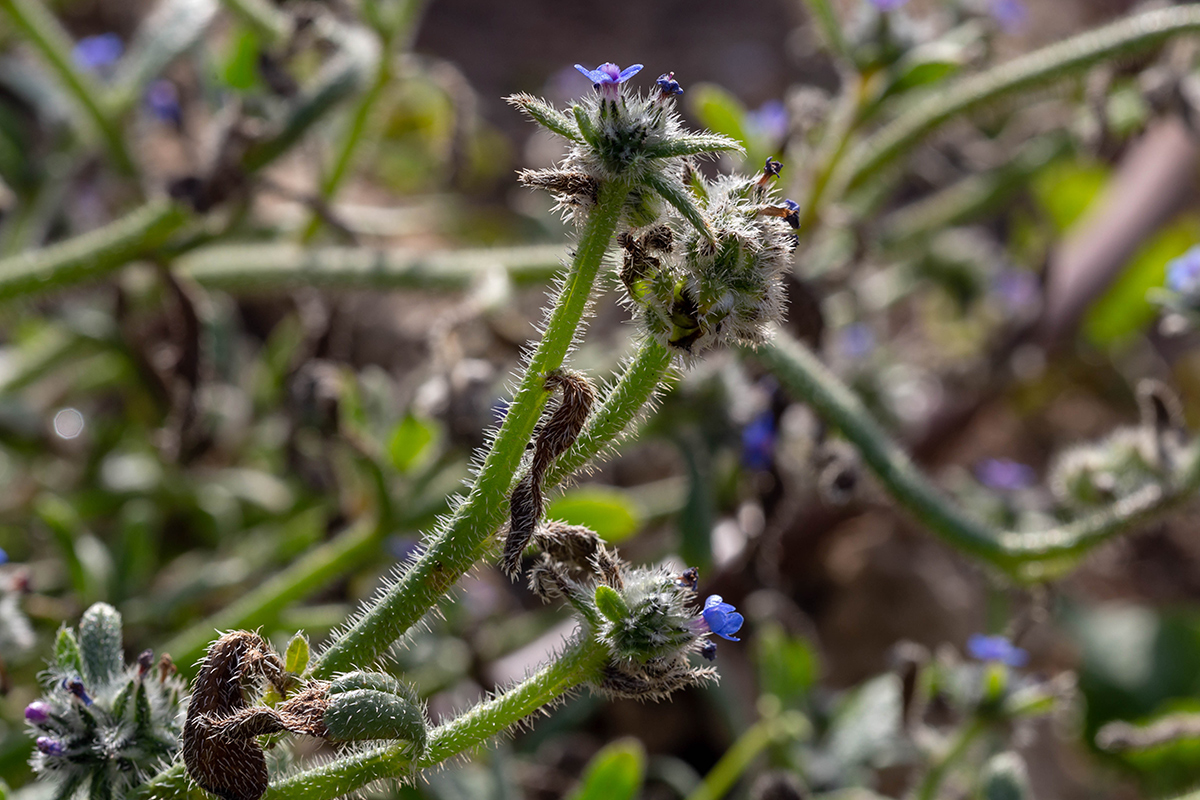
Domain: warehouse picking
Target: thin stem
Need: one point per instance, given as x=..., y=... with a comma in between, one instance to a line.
x=453, y=550
x=738, y=758
x=90, y=255
x=258, y=266
x=834, y=144
x=937, y=772
x=806, y=378
x=1061, y=60
x=47, y=35
x=577, y=664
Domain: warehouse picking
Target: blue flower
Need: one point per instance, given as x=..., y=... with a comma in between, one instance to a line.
x=1003, y=474
x=49, y=746
x=758, y=441
x=856, y=340
x=722, y=618
x=97, y=53
x=1183, y=273
x=3, y=556
x=1011, y=14
x=792, y=217
x=1017, y=289
x=75, y=687
x=162, y=101
x=37, y=712
x=608, y=76
x=667, y=84
x=888, y=5
x=996, y=648
x=770, y=121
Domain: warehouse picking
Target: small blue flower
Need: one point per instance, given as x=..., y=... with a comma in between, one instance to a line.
x=608, y=77
x=1011, y=14
x=75, y=687
x=1183, y=273
x=770, y=121
x=1018, y=290
x=856, y=340
x=97, y=53
x=3, y=556
x=996, y=648
x=668, y=85
x=49, y=746
x=1005, y=475
x=37, y=712
x=888, y=5
x=758, y=441
x=162, y=101
x=722, y=618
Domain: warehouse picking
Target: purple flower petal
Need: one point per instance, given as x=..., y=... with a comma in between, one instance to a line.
x=37, y=712
x=628, y=72
x=722, y=618
x=996, y=648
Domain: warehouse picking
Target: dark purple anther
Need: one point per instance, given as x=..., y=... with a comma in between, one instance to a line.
x=690, y=579
x=37, y=712
x=145, y=661
x=75, y=687
x=50, y=746
x=708, y=650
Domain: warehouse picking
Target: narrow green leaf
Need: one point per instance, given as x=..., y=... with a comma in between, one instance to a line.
x=718, y=111
x=586, y=129
x=545, y=115
x=611, y=604
x=694, y=144
x=683, y=202
x=615, y=773
x=170, y=30
x=66, y=652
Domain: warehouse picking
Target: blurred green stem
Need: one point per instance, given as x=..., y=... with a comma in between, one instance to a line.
x=842, y=125
x=39, y=25
x=826, y=19
x=268, y=23
x=1017, y=552
x=579, y=663
x=1064, y=59
x=958, y=748
x=93, y=254
x=739, y=757
x=454, y=549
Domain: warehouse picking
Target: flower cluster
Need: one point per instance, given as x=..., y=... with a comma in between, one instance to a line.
x=103, y=727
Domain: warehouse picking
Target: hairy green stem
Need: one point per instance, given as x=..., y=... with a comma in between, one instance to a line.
x=269, y=266
x=47, y=35
x=807, y=379
x=579, y=662
x=90, y=255
x=453, y=550
x=1060, y=60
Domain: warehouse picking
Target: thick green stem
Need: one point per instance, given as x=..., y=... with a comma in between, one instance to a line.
x=453, y=550
x=1067, y=58
x=90, y=255
x=47, y=35
x=577, y=664
x=807, y=379
x=268, y=266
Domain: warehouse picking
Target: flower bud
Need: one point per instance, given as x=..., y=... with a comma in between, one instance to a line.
x=37, y=712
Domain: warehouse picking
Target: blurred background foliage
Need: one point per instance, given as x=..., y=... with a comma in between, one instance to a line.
x=294, y=374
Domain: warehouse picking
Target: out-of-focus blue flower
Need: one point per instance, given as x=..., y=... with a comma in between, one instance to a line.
x=75, y=687
x=1183, y=273
x=1011, y=14
x=3, y=556
x=722, y=618
x=162, y=101
x=50, y=746
x=996, y=648
x=1003, y=474
x=887, y=5
x=770, y=121
x=856, y=340
x=1017, y=289
x=667, y=84
x=37, y=712
x=608, y=77
x=758, y=441
x=97, y=53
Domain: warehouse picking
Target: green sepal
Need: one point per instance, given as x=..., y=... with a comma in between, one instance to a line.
x=121, y=704
x=361, y=714
x=545, y=115
x=675, y=194
x=100, y=646
x=66, y=652
x=586, y=129
x=376, y=681
x=611, y=604
x=693, y=144
x=142, y=715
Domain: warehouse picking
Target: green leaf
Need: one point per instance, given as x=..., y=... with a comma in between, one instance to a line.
x=1123, y=310
x=615, y=773
x=1065, y=189
x=241, y=63
x=609, y=512
x=296, y=657
x=926, y=65
x=412, y=443
x=718, y=110
x=66, y=652
x=787, y=665
x=611, y=604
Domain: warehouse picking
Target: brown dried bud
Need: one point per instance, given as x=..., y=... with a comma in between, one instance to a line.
x=569, y=187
